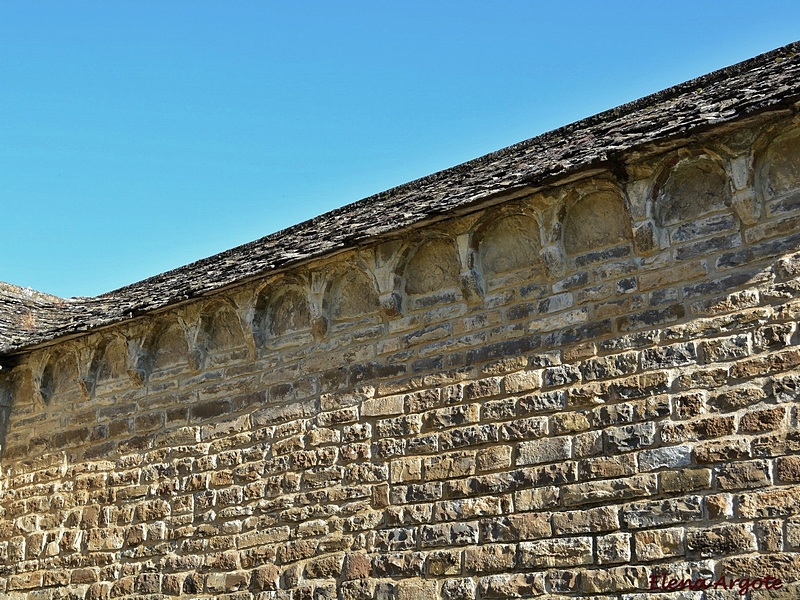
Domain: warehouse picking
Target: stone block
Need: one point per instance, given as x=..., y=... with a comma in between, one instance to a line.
x=659, y=544
x=545, y=450
x=560, y=552
x=613, y=548
x=592, y=520
x=719, y=541
x=519, y=585
x=490, y=558
x=745, y=474
x=670, y=457
x=656, y=513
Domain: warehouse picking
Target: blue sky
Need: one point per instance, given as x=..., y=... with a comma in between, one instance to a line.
x=136, y=137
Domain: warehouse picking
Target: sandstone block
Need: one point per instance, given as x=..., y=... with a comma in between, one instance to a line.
x=541, y=402
x=630, y=437
x=406, y=469
x=769, y=534
x=544, y=451
x=685, y=480
x=788, y=469
x=415, y=590
x=722, y=451
x=520, y=585
x=719, y=541
x=613, y=548
x=586, y=521
x=615, y=579
x=670, y=457
x=446, y=466
x=560, y=552
x=522, y=381
x=494, y=458
x=609, y=490
x=383, y=407
x=769, y=503
x=662, y=512
x=490, y=558
x=443, y=562
x=746, y=474
x=513, y=528
x=658, y=544
x=762, y=420
x=458, y=589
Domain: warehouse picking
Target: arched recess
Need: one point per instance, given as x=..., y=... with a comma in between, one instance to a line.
x=6, y=394
x=109, y=363
x=351, y=296
x=59, y=378
x=432, y=266
x=219, y=333
x=595, y=220
x=690, y=187
x=166, y=347
x=281, y=309
x=778, y=171
x=509, y=246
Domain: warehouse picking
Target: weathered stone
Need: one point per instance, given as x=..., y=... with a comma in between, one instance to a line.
x=544, y=451
x=609, y=367
x=407, y=564
x=669, y=457
x=716, y=541
x=586, y=521
x=443, y=562
x=615, y=579
x=458, y=589
x=561, y=552
x=447, y=534
x=769, y=534
x=659, y=544
x=762, y=420
x=769, y=503
x=560, y=375
x=719, y=451
x=520, y=585
x=629, y=437
x=685, y=480
x=613, y=548
x=747, y=474
x=662, y=512
x=605, y=491
x=788, y=469
x=513, y=528
x=490, y=558
x=495, y=458
x=541, y=402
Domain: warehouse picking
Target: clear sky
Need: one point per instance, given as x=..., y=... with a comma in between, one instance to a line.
x=139, y=136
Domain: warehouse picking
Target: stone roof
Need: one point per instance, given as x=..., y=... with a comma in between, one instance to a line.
x=766, y=82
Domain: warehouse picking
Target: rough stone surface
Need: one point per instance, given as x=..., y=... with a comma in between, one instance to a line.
x=578, y=368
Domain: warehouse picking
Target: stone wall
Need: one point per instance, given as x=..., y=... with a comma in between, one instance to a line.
x=560, y=392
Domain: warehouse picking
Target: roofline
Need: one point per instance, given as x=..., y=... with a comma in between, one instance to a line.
x=765, y=82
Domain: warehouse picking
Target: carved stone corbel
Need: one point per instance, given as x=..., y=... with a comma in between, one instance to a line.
x=745, y=200
x=471, y=280
x=319, y=322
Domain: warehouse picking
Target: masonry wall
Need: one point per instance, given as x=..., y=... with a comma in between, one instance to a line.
x=557, y=394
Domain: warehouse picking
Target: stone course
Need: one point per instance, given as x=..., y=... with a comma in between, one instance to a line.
x=556, y=392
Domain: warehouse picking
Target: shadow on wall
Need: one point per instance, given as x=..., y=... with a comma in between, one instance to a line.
x=5, y=407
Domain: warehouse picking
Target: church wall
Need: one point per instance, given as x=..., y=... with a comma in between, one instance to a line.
x=564, y=392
